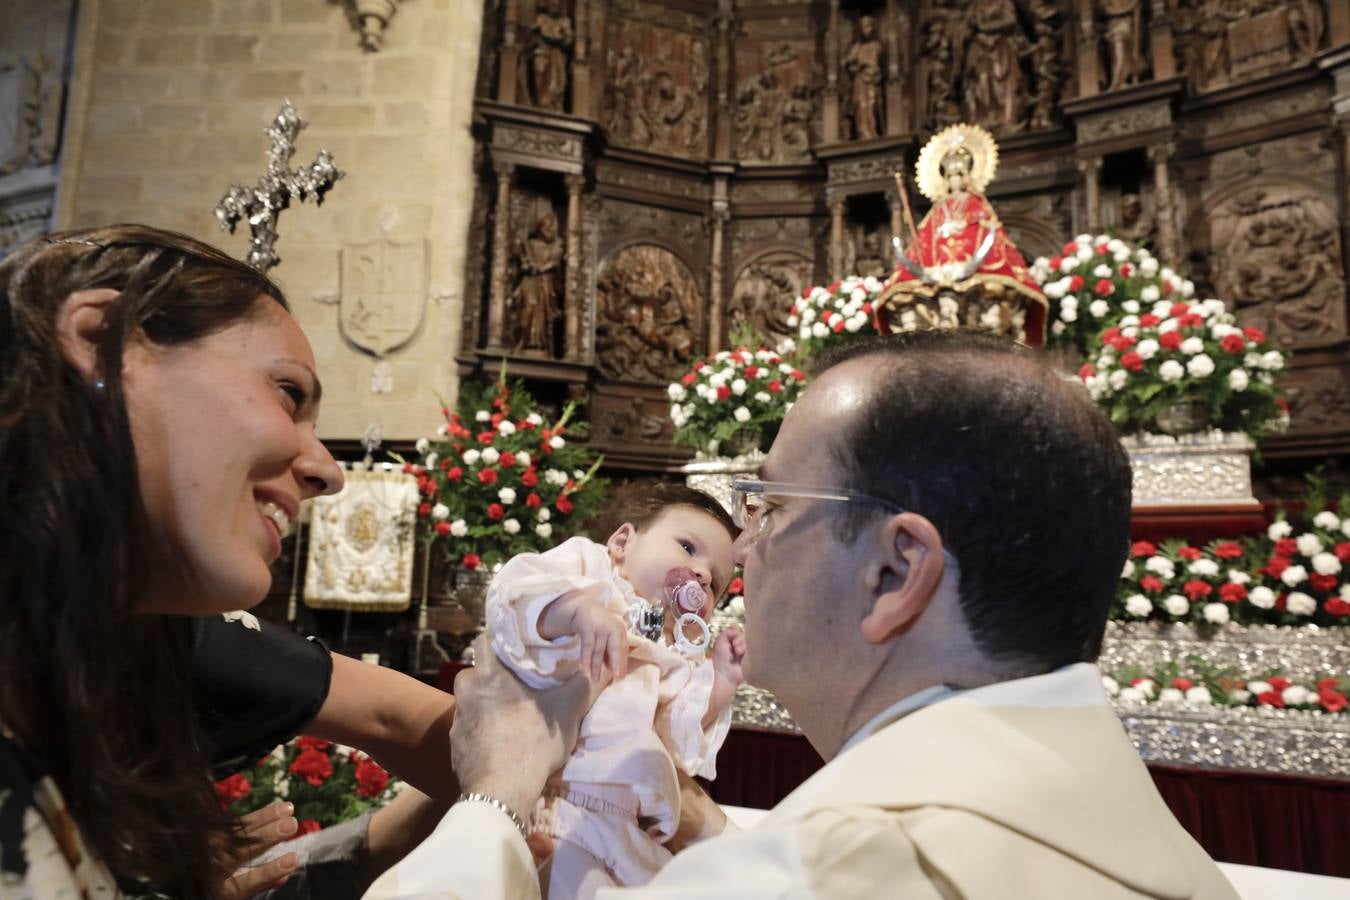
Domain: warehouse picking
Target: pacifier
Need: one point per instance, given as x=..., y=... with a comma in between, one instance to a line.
x=686, y=598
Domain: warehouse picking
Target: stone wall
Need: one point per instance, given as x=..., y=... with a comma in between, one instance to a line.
x=168, y=106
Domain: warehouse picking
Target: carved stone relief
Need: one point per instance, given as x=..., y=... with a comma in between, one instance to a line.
x=622, y=222
x=631, y=419
x=1319, y=398
x=765, y=288
x=1117, y=123
x=546, y=55
x=1223, y=42
x=24, y=218
x=1272, y=247
x=540, y=143
x=865, y=252
x=648, y=304
x=689, y=187
x=752, y=236
x=534, y=303
x=772, y=191
x=866, y=169
x=862, y=62
x=656, y=89
x=777, y=103
x=1036, y=223
x=30, y=101
x=1121, y=26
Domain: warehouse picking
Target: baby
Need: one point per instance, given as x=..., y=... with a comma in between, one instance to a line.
x=634, y=608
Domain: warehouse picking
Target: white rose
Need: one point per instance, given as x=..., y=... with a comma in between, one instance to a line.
x=523, y=460
x=482, y=416
x=1326, y=564
x=1261, y=597
x=1345, y=592
x=1296, y=695
x=1171, y=370
x=1168, y=325
x=1068, y=315
x=1147, y=348
x=1309, y=544
x=543, y=515
x=1328, y=520
x=556, y=442
x=1239, y=696
x=511, y=526
x=1127, y=571
x=1102, y=271
x=1132, y=696
x=1192, y=346
x=820, y=330
x=1345, y=527
x=1146, y=687
x=1099, y=308
x=1257, y=688
x=1272, y=360
x=1084, y=253
x=1200, y=366
x=1055, y=289
x=1161, y=566
x=1130, y=306
x=1199, y=694
x=1162, y=309
x=1149, y=267
x=1294, y=575
x=738, y=386
x=1129, y=321
x=440, y=511
x=1216, y=613
x=1238, y=577
x=442, y=430
x=1300, y=604
x=1117, y=379
x=471, y=456
x=505, y=427
x=1138, y=605
x=543, y=529
x=422, y=445
x=1068, y=263
x=430, y=461
x=535, y=419
x=490, y=456
x=1187, y=288
x=1110, y=685
x=741, y=414
x=1206, y=568
x=1170, y=695
x=762, y=397
x=459, y=528
x=1176, y=605
x=1238, y=380
x=1130, y=331
x=1150, y=293
x=1280, y=529
x=1070, y=302
x=555, y=477
x=507, y=495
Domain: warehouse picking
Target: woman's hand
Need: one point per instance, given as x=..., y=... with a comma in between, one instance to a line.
x=263, y=829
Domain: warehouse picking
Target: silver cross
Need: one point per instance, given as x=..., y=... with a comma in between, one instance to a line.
x=262, y=205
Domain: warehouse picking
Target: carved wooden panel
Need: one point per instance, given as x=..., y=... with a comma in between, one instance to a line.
x=1223, y=42
x=648, y=306
x=656, y=89
x=777, y=101
x=765, y=287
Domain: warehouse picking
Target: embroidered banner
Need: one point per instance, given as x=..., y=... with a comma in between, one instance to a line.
x=361, y=544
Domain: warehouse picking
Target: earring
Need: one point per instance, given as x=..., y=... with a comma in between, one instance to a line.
x=100, y=385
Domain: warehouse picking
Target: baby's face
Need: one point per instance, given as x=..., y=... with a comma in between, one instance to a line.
x=682, y=537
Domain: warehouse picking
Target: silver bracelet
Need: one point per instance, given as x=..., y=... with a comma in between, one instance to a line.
x=495, y=804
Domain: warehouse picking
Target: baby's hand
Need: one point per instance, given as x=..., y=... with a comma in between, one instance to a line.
x=728, y=652
x=604, y=640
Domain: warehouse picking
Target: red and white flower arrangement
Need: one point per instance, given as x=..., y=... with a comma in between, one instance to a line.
x=826, y=316
x=1303, y=578
x=733, y=392
x=1175, y=582
x=1182, y=351
x=499, y=479
x=1205, y=688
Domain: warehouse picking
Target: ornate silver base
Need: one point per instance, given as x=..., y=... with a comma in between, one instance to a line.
x=713, y=475
x=1204, y=469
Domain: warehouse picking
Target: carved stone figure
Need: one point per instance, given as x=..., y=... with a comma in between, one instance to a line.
x=939, y=68
x=646, y=300
x=991, y=75
x=775, y=111
x=653, y=104
x=1135, y=226
x=765, y=289
x=1121, y=30
x=1305, y=26
x=550, y=45
x=535, y=303
x=863, y=64
x=1045, y=63
x=867, y=255
x=1222, y=42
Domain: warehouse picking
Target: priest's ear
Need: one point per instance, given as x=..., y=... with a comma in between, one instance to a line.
x=80, y=323
x=619, y=541
x=904, y=575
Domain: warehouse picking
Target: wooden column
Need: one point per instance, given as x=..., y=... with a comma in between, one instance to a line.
x=581, y=61
x=838, y=209
x=573, y=299
x=501, y=254
x=1169, y=245
x=1338, y=23
x=722, y=139
x=1091, y=170
x=1161, y=42
x=897, y=33
x=829, y=115
x=1089, y=62
x=717, y=301
x=508, y=64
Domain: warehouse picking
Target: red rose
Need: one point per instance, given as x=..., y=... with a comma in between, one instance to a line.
x=1271, y=698
x=524, y=425
x=1195, y=589
x=1110, y=335
x=1151, y=583
x=1286, y=547
x=442, y=528
x=1228, y=550
x=407, y=468
x=775, y=386
x=1233, y=344
x=798, y=375
x=424, y=509
x=1336, y=607
x=1166, y=287
x=1327, y=684
x=1276, y=565
x=507, y=460
x=312, y=743
x=485, y=437
x=1143, y=548
x=496, y=512
x=429, y=487
x=471, y=561
x=496, y=417
x=1182, y=684
x=1332, y=702
x=1255, y=335
x=1233, y=593
x=314, y=766
x=307, y=826
x=487, y=476
x=1104, y=288
x=1086, y=371
x=234, y=788
x=1148, y=320
x=1279, y=683
x=723, y=392
x=1056, y=262
x=371, y=779
x=1169, y=340
x=1069, y=249
x=688, y=378
x=530, y=477
x=1342, y=551
x=454, y=473
x=1282, y=602
x=1179, y=309
x=698, y=366
x=1189, y=553
x=1191, y=320
x=563, y=505
x=1132, y=361
x=1123, y=343
x=1103, y=250
x=1126, y=270
x=737, y=586
x=533, y=501
x=838, y=325
x=752, y=371
x=1324, y=583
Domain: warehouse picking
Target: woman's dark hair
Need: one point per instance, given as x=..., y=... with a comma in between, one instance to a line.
x=100, y=696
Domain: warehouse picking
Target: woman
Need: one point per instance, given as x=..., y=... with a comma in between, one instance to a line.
x=157, y=411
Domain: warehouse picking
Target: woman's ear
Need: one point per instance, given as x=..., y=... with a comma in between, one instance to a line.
x=910, y=569
x=80, y=323
x=618, y=542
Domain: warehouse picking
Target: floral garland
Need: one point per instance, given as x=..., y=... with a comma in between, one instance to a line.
x=733, y=391
x=499, y=479
x=328, y=783
x=1206, y=687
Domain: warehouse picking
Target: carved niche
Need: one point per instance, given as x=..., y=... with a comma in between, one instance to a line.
x=992, y=63
x=538, y=264
x=765, y=287
x=546, y=55
x=656, y=85
x=777, y=102
x=862, y=62
x=1223, y=42
x=1272, y=247
x=1122, y=29
x=647, y=314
